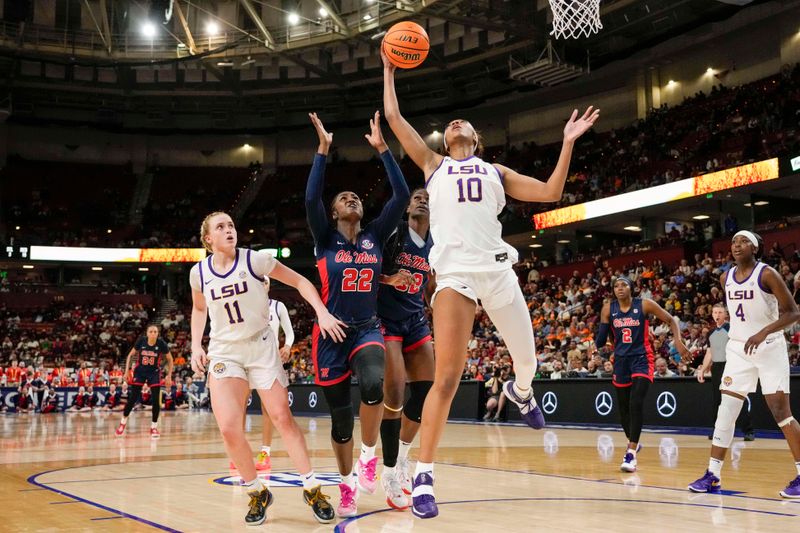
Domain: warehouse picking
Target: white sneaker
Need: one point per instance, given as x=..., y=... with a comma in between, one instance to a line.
x=394, y=492
x=628, y=463
x=404, y=475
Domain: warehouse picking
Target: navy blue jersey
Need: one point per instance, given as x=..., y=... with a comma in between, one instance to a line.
x=350, y=272
x=149, y=357
x=630, y=329
x=399, y=303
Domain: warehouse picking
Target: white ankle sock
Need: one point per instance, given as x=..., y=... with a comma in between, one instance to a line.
x=348, y=480
x=423, y=467
x=265, y=449
x=367, y=453
x=154, y=425
x=402, y=451
x=715, y=467
x=797, y=465
x=253, y=486
x=309, y=480
x=389, y=470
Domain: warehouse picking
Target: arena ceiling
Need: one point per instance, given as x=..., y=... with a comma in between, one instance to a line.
x=257, y=70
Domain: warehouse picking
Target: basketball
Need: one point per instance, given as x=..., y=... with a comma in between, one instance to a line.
x=406, y=44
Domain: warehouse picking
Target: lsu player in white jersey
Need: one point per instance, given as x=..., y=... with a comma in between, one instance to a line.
x=760, y=307
x=472, y=262
x=227, y=287
x=278, y=320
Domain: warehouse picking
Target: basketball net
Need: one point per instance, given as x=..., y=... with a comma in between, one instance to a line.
x=573, y=19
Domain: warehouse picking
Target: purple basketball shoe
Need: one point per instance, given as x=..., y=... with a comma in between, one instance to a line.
x=423, y=501
x=708, y=483
x=530, y=412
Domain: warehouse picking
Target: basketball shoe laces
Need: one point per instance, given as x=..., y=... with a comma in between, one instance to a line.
x=369, y=468
x=794, y=483
x=347, y=496
x=255, y=502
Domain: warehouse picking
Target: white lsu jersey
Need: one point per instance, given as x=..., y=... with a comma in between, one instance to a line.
x=750, y=305
x=235, y=299
x=465, y=198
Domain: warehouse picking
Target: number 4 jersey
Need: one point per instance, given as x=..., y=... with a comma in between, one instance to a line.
x=750, y=304
x=237, y=300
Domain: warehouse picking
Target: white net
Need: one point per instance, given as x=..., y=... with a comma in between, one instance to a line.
x=573, y=19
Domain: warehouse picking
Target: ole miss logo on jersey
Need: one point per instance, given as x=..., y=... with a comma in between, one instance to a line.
x=413, y=261
x=626, y=322
x=359, y=258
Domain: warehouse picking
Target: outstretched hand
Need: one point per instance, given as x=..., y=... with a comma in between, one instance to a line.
x=325, y=138
x=375, y=136
x=387, y=65
x=578, y=126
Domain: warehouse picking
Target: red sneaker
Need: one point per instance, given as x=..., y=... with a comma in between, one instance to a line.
x=154, y=434
x=120, y=430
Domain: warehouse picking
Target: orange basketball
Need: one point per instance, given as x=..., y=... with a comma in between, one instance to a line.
x=406, y=44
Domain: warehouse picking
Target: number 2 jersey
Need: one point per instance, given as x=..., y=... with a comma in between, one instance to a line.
x=631, y=330
x=750, y=304
x=236, y=299
x=465, y=198
x=400, y=303
x=349, y=272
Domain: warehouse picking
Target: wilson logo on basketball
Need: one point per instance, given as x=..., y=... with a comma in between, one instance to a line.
x=406, y=56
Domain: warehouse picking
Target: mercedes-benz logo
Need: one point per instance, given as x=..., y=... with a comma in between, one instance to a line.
x=603, y=403
x=312, y=400
x=291, y=398
x=666, y=404
x=249, y=400
x=549, y=402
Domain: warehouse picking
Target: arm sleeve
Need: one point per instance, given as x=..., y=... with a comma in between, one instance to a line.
x=315, y=209
x=262, y=263
x=194, y=278
x=602, y=335
x=286, y=324
x=392, y=212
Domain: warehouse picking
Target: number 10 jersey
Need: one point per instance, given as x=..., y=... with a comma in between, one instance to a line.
x=465, y=198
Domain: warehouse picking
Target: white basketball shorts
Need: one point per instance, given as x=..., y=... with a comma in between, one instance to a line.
x=254, y=360
x=493, y=289
x=769, y=362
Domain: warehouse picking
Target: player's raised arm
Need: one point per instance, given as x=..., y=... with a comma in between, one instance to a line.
x=392, y=212
x=787, y=307
x=315, y=208
x=528, y=189
x=425, y=158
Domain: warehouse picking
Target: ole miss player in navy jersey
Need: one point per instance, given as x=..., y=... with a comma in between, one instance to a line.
x=349, y=259
x=409, y=350
x=150, y=350
x=627, y=318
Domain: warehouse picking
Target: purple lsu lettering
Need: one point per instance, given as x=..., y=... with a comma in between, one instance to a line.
x=228, y=291
x=466, y=169
x=740, y=294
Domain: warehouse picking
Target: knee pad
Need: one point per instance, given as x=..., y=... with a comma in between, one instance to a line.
x=369, y=368
x=413, y=407
x=725, y=425
x=342, y=424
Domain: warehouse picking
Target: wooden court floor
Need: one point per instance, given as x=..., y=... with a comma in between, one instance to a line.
x=67, y=472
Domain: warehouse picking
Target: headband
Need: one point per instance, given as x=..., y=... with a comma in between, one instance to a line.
x=750, y=236
x=626, y=280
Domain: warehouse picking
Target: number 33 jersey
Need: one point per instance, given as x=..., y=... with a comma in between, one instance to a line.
x=349, y=273
x=465, y=198
x=237, y=300
x=750, y=305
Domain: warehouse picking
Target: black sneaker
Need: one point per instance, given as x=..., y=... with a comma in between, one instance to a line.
x=323, y=511
x=749, y=436
x=259, y=501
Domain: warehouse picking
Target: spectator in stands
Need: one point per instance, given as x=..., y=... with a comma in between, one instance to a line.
x=662, y=371
x=24, y=400
x=113, y=398
x=558, y=370
x=38, y=388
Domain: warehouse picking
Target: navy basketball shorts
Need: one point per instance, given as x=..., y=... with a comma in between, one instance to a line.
x=143, y=375
x=632, y=366
x=332, y=359
x=413, y=332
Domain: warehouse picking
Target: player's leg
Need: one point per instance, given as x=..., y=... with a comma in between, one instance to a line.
x=368, y=364
x=420, y=370
x=512, y=319
x=263, y=461
x=394, y=385
x=638, y=392
x=134, y=396
x=276, y=400
x=226, y=403
x=716, y=394
x=453, y=316
x=155, y=391
x=340, y=405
